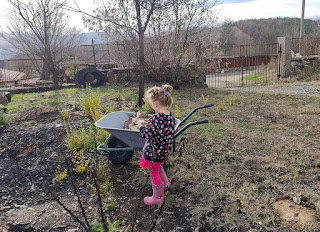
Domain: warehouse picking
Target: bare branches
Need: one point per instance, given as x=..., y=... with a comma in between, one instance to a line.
x=68, y=210
x=37, y=28
x=149, y=15
x=97, y=17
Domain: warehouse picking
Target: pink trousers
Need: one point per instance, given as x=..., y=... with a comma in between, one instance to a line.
x=154, y=170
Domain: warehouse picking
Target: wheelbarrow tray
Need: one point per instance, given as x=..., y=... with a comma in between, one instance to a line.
x=114, y=122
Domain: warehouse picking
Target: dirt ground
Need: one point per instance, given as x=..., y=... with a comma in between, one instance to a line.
x=29, y=156
x=33, y=146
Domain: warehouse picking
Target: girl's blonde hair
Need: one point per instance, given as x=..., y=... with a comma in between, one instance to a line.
x=162, y=94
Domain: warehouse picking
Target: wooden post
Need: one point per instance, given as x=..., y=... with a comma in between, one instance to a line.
x=301, y=29
x=94, y=54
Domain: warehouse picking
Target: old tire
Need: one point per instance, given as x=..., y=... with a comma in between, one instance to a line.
x=8, y=96
x=119, y=157
x=90, y=76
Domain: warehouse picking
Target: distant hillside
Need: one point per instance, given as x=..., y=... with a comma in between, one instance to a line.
x=3, y=53
x=99, y=37
x=267, y=30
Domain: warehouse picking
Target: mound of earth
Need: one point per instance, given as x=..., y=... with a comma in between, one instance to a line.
x=133, y=122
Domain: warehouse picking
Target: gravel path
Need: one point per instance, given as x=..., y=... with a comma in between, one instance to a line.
x=303, y=88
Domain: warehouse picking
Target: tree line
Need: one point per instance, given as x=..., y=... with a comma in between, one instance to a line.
x=266, y=30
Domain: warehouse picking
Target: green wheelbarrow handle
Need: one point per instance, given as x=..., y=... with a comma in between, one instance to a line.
x=102, y=147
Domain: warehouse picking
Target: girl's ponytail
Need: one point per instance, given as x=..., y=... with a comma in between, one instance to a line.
x=168, y=88
x=161, y=94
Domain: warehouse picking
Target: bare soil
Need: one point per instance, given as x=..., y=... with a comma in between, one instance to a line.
x=29, y=156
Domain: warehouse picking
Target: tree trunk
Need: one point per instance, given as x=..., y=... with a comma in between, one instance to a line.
x=141, y=66
x=141, y=52
x=55, y=78
x=45, y=73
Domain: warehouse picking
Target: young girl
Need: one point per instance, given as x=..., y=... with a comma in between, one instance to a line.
x=159, y=135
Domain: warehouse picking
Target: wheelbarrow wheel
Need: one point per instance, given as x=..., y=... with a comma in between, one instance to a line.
x=119, y=157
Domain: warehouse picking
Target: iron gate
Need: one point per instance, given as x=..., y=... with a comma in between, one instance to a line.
x=233, y=66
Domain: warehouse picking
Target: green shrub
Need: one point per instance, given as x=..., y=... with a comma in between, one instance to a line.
x=84, y=137
x=147, y=107
x=4, y=120
x=113, y=226
x=90, y=103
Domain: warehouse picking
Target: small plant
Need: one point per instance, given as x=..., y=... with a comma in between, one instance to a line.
x=80, y=162
x=74, y=67
x=84, y=137
x=27, y=123
x=96, y=114
x=90, y=103
x=173, y=201
x=81, y=138
x=177, y=112
x=3, y=118
x=110, y=108
x=105, y=189
x=147, y=107
x=113, y=226
x=221, y=106
x=60, y=175
x=65, y=114
x=232, y=99
x=205, y=101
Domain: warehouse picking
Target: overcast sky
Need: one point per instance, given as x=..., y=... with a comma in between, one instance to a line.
x=249, y=9
x=234, y=9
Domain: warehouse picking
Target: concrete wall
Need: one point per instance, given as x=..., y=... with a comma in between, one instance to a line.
x=285, y=56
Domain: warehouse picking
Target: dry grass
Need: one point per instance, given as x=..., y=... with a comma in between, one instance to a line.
x=261, y=148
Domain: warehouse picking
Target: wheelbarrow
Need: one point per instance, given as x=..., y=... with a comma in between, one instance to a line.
x=121, y=144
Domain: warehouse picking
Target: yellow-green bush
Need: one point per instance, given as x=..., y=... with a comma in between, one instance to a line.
x=147, y=107
x=90, y=103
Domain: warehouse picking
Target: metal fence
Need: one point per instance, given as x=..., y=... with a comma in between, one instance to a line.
x=233, y=66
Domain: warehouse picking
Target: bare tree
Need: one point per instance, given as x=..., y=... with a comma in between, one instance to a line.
x=227, y=33
x=38, y=30
x=178, y=38
x=130, y=16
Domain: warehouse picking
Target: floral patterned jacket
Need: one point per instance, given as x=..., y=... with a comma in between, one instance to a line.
x=160, y=132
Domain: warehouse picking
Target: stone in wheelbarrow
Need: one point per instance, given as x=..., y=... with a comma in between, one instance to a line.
x=133, y=122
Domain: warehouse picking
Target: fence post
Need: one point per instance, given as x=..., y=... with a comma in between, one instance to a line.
x=285, y=56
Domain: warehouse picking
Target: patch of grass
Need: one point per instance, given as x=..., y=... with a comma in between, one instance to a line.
x=254, y=77
x=27, y=123
x=54, y=101
x=243, y=120
x=210, y=127
x=23, y=96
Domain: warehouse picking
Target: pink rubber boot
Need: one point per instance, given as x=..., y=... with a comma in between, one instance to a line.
x=158, y=195
x=163, y=177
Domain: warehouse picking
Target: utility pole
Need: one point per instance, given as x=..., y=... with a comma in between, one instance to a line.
x=301, y=28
